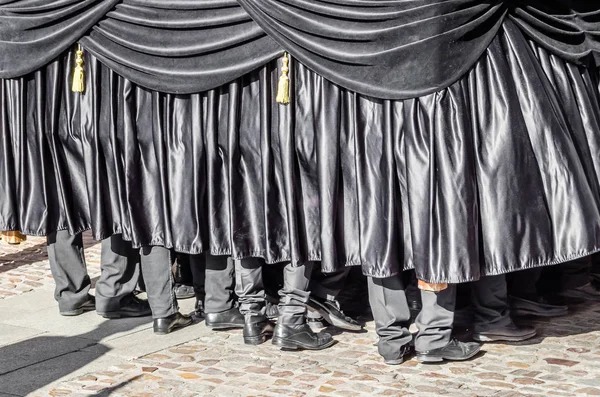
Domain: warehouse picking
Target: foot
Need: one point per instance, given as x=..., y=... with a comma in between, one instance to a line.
x=510, y=333
x=257, y=332
x=228, y=319
x=536, y=307
x=163, y=326
x=403, y=354
x=331, y=312
x=184, y=291
x=300, y=337
x=88, y=305
x=453, y=351
x=135, y=308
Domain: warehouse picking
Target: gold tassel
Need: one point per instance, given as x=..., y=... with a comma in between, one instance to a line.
x=283, y=89
x=78, y=73
x=13, y=238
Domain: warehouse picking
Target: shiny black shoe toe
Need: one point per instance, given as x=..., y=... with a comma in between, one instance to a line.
x=453, y=351
x=163, y=326
x=228, y=319
x=295, y=337
x=256, y=333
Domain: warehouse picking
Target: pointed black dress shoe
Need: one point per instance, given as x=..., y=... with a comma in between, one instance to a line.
x=257, y=332
x=228, y=319
x=134, y=308
x=453, y=351
x=163, y=326
x=88, y=305
x=294, y=337
x=331, y=312
x=509, y=333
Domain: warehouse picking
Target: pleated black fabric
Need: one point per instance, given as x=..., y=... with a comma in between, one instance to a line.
x=393, y=49
x=496, y=173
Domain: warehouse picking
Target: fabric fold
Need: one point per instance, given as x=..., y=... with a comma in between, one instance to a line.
x=496, y=173
x=384, y=49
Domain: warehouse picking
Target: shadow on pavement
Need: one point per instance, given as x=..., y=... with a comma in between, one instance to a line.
x=34, y=363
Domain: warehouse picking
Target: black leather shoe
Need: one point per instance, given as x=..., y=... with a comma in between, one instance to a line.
x=453, y=351
x=184, y=291
x=405, y=352
x=510, y=333
x=135, y=308
x=88, y=305
x=256, y=333
x=163, y=326
x=228, y=319
x=294, y=337
x=526, y=307
x=331, y=312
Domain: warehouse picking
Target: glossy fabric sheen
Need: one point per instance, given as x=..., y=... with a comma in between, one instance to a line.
x=496, y=173
x=392, y=49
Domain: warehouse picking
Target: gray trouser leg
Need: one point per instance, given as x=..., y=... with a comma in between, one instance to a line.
x=327, y=286
x=119, y=276
x=250, y=289
x=391, y=315
x=219, y=284
x=67, y=264
x=490, y=301
x=435, y=319
x=295, y=294
x=156, y=267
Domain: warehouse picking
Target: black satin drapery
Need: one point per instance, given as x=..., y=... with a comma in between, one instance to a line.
x=496, y=173
x=393, y=49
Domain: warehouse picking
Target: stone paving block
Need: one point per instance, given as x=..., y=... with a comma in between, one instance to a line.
x=32, y=302
x=10, y=334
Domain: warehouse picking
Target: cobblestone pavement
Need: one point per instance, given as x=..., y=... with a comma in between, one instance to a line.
x=24, y=267
x=564, y=360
